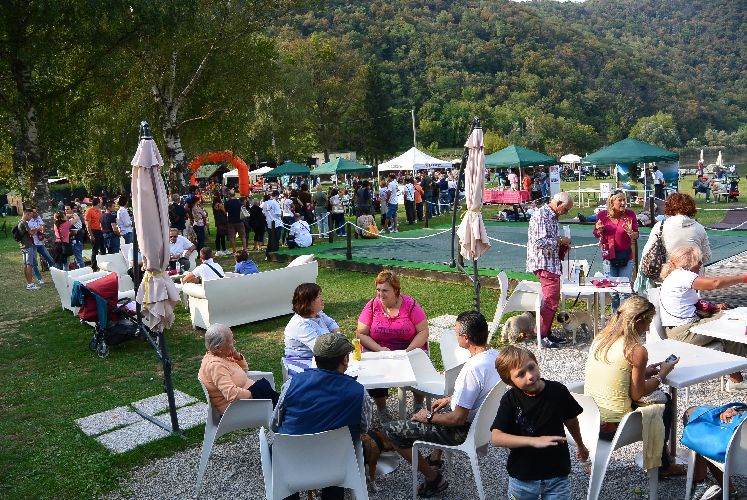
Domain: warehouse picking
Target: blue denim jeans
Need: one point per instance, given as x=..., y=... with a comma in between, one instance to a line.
x=556, y=488
x=127, y=238
x=322, y=218
x=78, y=253
x=618, y=271
x=44, y=253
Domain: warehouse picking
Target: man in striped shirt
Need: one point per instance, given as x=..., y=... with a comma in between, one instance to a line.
x=543, y=259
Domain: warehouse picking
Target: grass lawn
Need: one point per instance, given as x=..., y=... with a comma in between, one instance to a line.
x=50, y=378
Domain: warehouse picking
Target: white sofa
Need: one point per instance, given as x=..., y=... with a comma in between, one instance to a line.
x=118, y=263
x=63, y=282
x=237, y=300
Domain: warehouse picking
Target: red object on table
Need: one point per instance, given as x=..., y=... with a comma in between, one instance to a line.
x=504, y=197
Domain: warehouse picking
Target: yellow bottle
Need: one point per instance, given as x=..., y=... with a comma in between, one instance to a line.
x=357, y=351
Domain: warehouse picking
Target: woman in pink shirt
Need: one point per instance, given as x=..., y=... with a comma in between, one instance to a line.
x=390, y=322
x=616, y=228
x=63, y=248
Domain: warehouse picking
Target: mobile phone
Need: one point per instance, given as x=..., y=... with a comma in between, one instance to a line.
x=671, y=358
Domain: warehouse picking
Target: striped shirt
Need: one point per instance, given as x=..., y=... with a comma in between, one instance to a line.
x=542, y=245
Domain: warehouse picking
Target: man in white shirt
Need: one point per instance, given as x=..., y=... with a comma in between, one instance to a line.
x=393, y=203
x=472, y=386
x=208, y=270
x=658, y=183
x=409, y=191
x=124, y=221
x=180, y=248
x=272, y=211
x=300, y=233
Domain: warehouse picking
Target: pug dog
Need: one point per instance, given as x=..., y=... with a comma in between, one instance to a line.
x=518, y=327
x=575, y=321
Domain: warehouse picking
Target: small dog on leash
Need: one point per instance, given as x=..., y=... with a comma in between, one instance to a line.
x=518, y=327
x=576, y=321
x=374, y=443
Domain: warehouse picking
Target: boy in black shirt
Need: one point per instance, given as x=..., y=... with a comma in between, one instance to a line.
x=530, y=423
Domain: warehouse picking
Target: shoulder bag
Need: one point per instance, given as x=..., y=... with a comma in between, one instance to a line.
x=654, y=260
x=707, y=435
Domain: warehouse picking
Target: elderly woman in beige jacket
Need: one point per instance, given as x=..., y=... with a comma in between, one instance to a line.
x=680, y=227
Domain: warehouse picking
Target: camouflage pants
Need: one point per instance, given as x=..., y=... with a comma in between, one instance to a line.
x=403, y=433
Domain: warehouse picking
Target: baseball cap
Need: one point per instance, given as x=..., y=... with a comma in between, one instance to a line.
x=332, y=345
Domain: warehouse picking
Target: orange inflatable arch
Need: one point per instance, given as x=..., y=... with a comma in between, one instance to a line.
x=228, y=157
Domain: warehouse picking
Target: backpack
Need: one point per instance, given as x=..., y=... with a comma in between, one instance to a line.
x=18, y=233
x=653, y=261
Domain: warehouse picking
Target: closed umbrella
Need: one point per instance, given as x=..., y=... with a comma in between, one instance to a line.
x=473, y=238
x=157, y=293
x=720, y=160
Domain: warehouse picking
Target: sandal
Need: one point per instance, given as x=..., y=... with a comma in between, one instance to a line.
x=430, y=488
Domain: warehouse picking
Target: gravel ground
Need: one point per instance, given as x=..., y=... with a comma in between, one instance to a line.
x=234, y=468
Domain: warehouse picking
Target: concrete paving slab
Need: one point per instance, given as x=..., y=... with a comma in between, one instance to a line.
x=159, y=402
x=107, y=420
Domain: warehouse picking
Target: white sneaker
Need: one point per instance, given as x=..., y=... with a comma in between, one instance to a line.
x=32, y=286
x=736, y=386
x=41, y=281
x=712, y=492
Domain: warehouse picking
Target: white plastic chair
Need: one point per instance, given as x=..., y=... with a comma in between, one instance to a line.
x=452, y=355
x=629, y=431
x=430, y=382
x=527, y=296
x=312, y=461
x=655, y=330
x=735, y=463
x=475, y=444
x=241, y=414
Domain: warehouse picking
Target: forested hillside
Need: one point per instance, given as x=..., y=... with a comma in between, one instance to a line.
x=554, y=76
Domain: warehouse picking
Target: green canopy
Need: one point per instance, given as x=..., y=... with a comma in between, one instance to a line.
x=340, y=166
x=629, y=151
x=288, y=168
x=516, y=156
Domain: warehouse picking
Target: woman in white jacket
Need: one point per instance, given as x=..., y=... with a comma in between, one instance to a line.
x=680, y=227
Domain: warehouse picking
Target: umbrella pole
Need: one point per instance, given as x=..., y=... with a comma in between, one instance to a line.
x=159, y=346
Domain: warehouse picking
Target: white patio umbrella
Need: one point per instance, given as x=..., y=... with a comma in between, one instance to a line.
x=473, y=238
x=573, y=160
x=157, y=293
x=720, y=160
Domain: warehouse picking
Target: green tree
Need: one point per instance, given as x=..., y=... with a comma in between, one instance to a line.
x=658, y=129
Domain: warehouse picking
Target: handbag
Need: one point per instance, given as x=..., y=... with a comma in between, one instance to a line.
x=654, y=260
x=707, y=435
x=244, y=213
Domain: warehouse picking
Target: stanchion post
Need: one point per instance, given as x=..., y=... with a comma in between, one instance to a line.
x=331, y=235
x=349, y=249
x=652, y=210
x=272, y=238
x=426, y=208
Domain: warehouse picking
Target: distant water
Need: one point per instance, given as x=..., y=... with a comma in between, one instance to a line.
x=735, y=155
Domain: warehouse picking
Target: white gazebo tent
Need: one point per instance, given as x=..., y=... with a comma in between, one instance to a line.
x=234, y=174
x=413, y=160
x=572, y=159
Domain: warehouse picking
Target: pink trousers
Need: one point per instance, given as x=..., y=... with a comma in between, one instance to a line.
x=550, y=299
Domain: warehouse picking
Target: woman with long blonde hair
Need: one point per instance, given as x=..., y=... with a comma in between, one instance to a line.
x=679, y=300
x=617, y=374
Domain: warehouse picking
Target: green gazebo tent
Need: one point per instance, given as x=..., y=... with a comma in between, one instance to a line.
x=629, y=151
x=517, y=156
x=288, y=168
x=341, y=166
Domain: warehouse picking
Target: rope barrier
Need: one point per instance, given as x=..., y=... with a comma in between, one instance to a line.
x=524, y=246
x=364, y=230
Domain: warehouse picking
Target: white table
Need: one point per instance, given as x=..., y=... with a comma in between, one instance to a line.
x=730, y=326
x=697, y=364
x=600, y=296
x=382, y=370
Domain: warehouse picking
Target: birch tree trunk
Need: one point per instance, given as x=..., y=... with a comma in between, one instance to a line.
x=28, y=155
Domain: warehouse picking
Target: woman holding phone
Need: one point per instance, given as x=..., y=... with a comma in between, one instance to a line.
x=619, y=377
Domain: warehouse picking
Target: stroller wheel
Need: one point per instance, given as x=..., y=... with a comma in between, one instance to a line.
x=92, y=344
x=102, y=350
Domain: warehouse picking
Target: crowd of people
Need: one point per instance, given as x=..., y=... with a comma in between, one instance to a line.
x=533, y=413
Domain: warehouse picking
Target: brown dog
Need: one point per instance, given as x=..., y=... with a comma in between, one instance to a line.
x=374, y=443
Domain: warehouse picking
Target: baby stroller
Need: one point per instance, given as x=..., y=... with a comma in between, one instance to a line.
x=112, y=322
x=733, y=190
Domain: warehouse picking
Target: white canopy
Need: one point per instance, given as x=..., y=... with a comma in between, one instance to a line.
x=254, y=173
x=570, y=158
x=413, y=159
